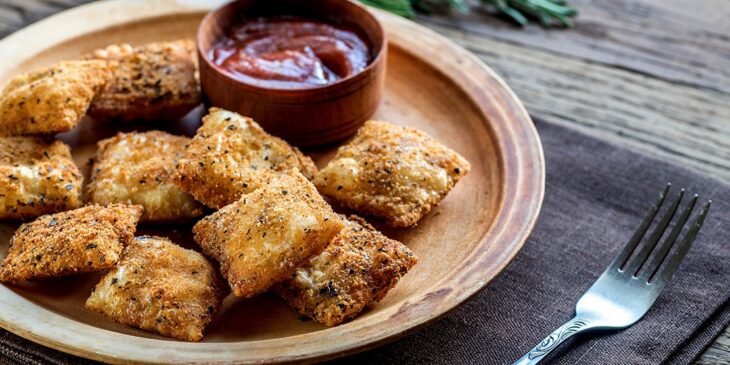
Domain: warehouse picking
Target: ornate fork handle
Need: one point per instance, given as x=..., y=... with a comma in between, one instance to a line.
x=553, y=340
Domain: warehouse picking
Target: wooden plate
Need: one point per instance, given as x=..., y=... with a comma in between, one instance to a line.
x=432, y=84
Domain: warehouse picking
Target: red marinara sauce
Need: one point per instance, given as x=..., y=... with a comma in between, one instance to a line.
x=291, y=52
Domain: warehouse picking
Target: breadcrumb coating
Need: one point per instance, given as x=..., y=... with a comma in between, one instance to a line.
x=53, y=99
x=37, y=176
x=262, y=238
x=231, y=155
x=392, y=172
x=82, y=240
x=357, y=268
x=138, y=168
x=153, y=82
x=161, y=287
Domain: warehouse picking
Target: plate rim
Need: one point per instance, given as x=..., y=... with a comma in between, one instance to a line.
x=440, y=296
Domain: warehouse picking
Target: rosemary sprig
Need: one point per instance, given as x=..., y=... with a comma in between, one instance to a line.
x=548, y=12
x=400, y=7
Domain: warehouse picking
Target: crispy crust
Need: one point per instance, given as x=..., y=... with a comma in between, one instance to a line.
x=392, y=172
x=231, y=155
x=77, y=241
x=357, y=268
x=159, y=286
x=37, y=176
x=261, y=239
x=52, y=99
x=153, y=82
x=137, y=168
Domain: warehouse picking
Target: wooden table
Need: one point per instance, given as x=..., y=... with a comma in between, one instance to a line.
x=651, y=75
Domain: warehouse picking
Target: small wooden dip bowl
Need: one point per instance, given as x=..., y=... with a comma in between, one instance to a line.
x=305, y=116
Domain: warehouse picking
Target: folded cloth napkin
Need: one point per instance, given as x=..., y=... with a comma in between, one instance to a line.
x=596, y=195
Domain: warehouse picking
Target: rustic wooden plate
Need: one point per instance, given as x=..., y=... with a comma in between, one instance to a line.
x=432, y=84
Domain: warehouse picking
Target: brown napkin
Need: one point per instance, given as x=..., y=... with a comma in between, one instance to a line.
x=596, y=194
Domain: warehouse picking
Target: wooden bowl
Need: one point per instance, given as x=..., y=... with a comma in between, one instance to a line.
x=307, y=116
x=462, y=244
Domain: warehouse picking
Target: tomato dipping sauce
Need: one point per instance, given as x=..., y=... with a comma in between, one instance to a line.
x=291, y=52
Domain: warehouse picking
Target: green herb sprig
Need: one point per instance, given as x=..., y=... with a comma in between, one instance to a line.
x=548, y=12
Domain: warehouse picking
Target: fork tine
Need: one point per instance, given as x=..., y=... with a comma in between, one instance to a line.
x=657, y=261
x=678, y=256
x=640, y=259
x=630, y=246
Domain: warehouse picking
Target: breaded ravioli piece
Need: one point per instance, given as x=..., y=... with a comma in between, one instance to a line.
x=262, y=238
x=231, y=155
x=153, y=82
x=37, y=177
x=138, y=168
x=357, y=268
x=53, y=99
x=392, y=172
x=82, y=240
x=161, y=287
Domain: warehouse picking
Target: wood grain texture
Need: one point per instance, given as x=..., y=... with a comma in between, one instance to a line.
x=676, y=122
x=662, y=50
x=462, y=244
x=681, y=41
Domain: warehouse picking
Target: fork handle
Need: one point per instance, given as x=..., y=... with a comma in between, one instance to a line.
x=552, y=341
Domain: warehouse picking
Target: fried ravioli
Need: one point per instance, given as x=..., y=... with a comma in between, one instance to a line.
x=37, y=176
x=357, y=268
x=262, y=238
x=231, y=155
x=53, y=99
x=392, y=172
x=138, y=168
x=83, y=240
x=153, y=82
x=159, y=286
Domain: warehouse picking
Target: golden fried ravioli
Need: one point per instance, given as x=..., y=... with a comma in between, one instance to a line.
x=82, y=240
x=231, y=155
x=37, y=176
x=52, y=99
x=357, y=268
x=392, y=172
x=153, y=82
x=138, y=168
x=159, y=286
x=262, y=238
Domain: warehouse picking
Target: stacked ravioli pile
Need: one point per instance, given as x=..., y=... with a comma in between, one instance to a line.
x=261, y=209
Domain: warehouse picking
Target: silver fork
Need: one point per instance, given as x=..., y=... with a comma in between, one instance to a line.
x=629, y=286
